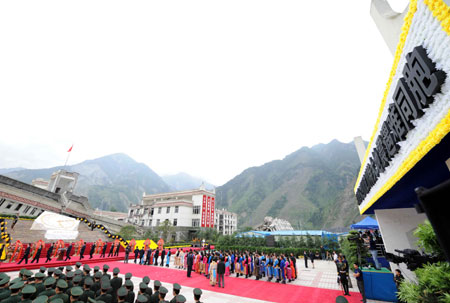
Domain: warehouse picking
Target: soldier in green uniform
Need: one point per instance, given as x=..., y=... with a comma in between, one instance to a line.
x=50, y=272
x=104, y=296
x=68, y=269
x=78, y=265
x=142, y=299
x=87, y=271
x=149, y=290
x=69, y=279
x=142, y=291
x=122, y=293
x=162, y=294
x=62, y=275
x=155, y=297
x=57, y=274
x=197, y=295
x=180, y=299
x=105, y=271
x=4, y=287
x=39, y=283
x=48, y=284
x=60, y=290
x=27, y=292
x=41, y=299
x=42, y=269
x=130, y=296
x=128, y=276
x=116, y=281
x=76, y=283
x=75, y=294
x=96, y=286
x=175, y=292
x=27, y=274
x=15, y=290
x=96, y=269
x=87, y=292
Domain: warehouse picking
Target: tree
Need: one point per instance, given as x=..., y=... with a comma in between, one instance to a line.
x=209, y=234
x=165, y=230
x=350, y=248
x=128, y=232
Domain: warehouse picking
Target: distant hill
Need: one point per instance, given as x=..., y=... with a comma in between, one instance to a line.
x=9, y=170
x=312, y=188
x=111, y=182
x=183, y=181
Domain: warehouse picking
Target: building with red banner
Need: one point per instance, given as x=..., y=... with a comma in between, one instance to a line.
x=186, y=210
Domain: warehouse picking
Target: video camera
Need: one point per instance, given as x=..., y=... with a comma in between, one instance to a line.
x=412, y=258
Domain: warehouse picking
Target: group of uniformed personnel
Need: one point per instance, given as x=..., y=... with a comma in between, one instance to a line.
x=77, y=285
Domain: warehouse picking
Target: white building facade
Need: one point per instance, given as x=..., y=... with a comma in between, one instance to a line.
x=189, y=208
x=225, y=221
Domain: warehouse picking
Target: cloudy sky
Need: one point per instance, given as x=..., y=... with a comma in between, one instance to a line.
x=205, y=87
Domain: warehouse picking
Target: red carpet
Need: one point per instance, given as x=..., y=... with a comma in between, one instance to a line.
x=262, y=290
x=4, y=267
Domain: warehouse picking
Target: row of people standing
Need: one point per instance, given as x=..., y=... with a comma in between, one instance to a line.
x=148, y=256
x=32, y=250
x=280, y=268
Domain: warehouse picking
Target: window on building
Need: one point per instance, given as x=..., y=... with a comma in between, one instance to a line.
x=157, y=222
x=196, y=210
x=175, y=222
x=142, y=222
x=2, y=201
x=159, y=210
x=168, y=210
x=195, y=222
x=19, y=206
x=33, y=211
x=27, y=209
x=150, y=224
x=176, y=209
x=152, y=211
x=131, y=213
x=9, y=205
x=145, y=211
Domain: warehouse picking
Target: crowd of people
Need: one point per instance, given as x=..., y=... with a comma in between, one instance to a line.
x=78, y=284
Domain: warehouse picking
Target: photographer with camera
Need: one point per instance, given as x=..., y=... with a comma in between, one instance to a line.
x=373, y=249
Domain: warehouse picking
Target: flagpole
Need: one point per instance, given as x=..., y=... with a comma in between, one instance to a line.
x=68, y=155
x=67, y=159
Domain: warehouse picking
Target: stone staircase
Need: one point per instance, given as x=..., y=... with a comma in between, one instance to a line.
x=23, y=233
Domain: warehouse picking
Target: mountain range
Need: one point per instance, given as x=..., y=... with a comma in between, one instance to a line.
x=312, y=187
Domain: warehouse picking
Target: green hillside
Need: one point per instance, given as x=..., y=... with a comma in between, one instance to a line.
x=312, y=188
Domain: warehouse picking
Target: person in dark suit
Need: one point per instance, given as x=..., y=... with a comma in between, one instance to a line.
x=136, y=254
x=156, y=257
x=91, y=252
x=104, y=250
x=141, y=255
x=26, y=254
x=49, y=253
x=147, y=258
x=305, y=256
x=189, y=263
x=116, y=253
x=69, y=250
x=221, y=272
x=163, y=254
x=127, y=253
x=38, y=255
x=111, y=250
x=83, y=248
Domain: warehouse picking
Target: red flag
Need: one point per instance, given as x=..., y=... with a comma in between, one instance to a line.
x=70, y=149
